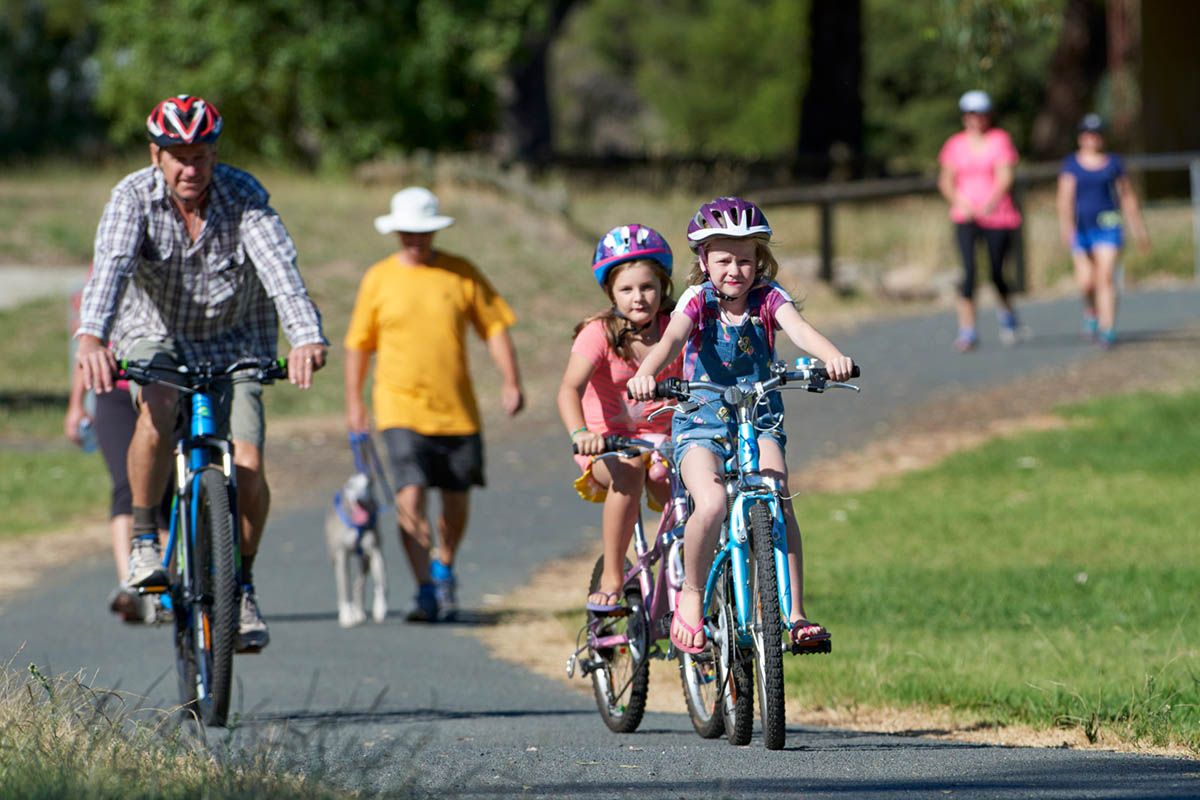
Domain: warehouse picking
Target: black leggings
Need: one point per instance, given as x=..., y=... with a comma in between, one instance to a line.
x=115, y=418
x=998, y=241
x=114, y=422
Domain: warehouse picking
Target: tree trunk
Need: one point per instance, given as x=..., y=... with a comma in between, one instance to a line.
x=527, y=130
x=831, y=115
x=1075, y=68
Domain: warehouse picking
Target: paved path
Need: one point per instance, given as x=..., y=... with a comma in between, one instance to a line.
x=405, y=705
x=22, y=284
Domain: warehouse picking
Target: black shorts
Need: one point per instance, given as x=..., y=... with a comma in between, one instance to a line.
x=440, y=462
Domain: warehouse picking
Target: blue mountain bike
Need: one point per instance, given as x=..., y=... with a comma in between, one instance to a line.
x=747, y=594
x=202, y=558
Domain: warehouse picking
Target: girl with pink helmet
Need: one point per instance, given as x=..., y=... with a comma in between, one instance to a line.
x=632, y=264
x=725, y=325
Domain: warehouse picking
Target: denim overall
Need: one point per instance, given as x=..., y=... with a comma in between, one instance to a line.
x=727, y=354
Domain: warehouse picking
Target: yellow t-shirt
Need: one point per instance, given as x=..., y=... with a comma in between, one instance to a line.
x=414, y=318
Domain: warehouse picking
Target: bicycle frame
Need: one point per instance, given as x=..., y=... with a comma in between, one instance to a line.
x=659, y=589
x=747, y=486
x=193, y=454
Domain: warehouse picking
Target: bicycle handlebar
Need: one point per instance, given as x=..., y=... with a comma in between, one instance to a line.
x=678, y=389
x=186, y=377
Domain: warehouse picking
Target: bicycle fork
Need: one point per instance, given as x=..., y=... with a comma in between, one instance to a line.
x=737, y=551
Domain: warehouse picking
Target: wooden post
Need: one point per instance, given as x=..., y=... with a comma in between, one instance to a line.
x=1194, y=171
x=1018, y=245
x=827, y=241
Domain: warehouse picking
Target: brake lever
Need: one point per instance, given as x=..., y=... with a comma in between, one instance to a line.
x=837, y=385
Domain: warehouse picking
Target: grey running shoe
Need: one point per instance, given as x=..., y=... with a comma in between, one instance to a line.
x=154, y=610
x=145, y=564
x=126, y=604
x=252, y=629
x=445, y=589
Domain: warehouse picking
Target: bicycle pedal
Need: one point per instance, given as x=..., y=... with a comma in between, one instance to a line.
x=152, y=589
x=814, y=649
x=571, y=667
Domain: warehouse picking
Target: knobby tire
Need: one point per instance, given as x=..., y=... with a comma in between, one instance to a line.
x=622, y=683
x=768, y=639
x=213, y=569
x=702, y=676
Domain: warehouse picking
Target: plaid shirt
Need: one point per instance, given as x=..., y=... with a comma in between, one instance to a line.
x=217, y=297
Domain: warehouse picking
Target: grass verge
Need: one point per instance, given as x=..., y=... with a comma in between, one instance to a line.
x=61, y=738
x=1046, y=579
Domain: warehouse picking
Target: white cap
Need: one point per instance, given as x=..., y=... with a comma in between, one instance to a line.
x=414, y=210
x=975, y=101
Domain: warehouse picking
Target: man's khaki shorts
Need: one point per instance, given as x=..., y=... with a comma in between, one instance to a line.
x=238, y=403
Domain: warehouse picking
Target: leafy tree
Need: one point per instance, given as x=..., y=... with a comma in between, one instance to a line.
x=686, y=77
x=922, y=56
x=45, y=76
x=316, y=80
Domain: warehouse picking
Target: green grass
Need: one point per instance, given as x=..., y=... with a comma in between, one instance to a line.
x=1048, y=579
x=61, y=738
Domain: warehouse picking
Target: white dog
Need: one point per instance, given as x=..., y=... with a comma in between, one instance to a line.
x=352, y=533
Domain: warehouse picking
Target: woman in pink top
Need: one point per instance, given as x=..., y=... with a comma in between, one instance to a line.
x=977, y=167
x=632, y=264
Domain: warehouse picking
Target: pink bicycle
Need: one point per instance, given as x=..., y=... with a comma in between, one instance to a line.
x=616, y=648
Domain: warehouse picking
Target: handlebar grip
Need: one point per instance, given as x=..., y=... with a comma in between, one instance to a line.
x=822, y=372
x=612, y=443
x=669, y=389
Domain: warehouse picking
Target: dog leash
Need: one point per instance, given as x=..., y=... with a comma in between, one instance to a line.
x=366, y=461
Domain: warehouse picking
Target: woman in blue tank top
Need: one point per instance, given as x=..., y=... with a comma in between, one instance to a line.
x=1094, y=194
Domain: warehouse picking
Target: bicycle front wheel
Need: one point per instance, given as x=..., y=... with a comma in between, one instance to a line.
x=206, y=621
x=768, y=630
x=617, y=649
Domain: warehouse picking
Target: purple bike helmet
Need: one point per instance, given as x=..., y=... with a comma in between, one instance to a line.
x=629, y=243
x=727, y=216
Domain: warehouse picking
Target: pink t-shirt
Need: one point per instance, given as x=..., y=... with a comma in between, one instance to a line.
x=606, y=406
x=975, y=175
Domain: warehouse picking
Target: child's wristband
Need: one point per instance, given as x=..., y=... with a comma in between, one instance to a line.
x=580, y=429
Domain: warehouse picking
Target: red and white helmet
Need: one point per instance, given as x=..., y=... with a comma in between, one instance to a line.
x=183, y=120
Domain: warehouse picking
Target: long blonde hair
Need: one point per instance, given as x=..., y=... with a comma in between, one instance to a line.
x=765, y=269
x=616, y=328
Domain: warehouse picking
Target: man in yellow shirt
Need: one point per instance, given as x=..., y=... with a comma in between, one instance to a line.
x=412, y=311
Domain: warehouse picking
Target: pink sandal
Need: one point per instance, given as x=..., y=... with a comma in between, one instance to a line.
x=805, y=633
x=691, y=630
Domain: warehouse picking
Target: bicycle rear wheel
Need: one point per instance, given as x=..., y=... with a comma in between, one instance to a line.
x=768, y=631
x=206, y=624
x=702, y=674
x=621, y=671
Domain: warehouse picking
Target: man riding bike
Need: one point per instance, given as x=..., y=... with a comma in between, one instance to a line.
x=192, y=265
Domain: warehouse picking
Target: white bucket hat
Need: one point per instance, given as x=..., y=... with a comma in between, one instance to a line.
x=414, y=210
x=975, y=101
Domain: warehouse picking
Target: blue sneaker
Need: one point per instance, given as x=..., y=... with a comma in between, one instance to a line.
x=1107, y=338
x=426, y=609
x=446, y=589
x=1091, y=327
x=966, y=341
x=1009, y=330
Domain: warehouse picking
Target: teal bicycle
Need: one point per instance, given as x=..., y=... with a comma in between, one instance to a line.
x=747, y=593
x=202, y=558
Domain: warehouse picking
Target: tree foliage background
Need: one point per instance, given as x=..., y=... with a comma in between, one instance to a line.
x=331, y=82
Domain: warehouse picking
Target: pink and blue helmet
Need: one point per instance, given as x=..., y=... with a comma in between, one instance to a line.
x=629, y=243
x=731, y=217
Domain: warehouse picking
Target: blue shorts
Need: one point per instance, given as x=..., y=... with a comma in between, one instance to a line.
x=1088, y=238
x=716, y=438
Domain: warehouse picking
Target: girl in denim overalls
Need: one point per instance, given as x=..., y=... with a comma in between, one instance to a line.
x=726, y=324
